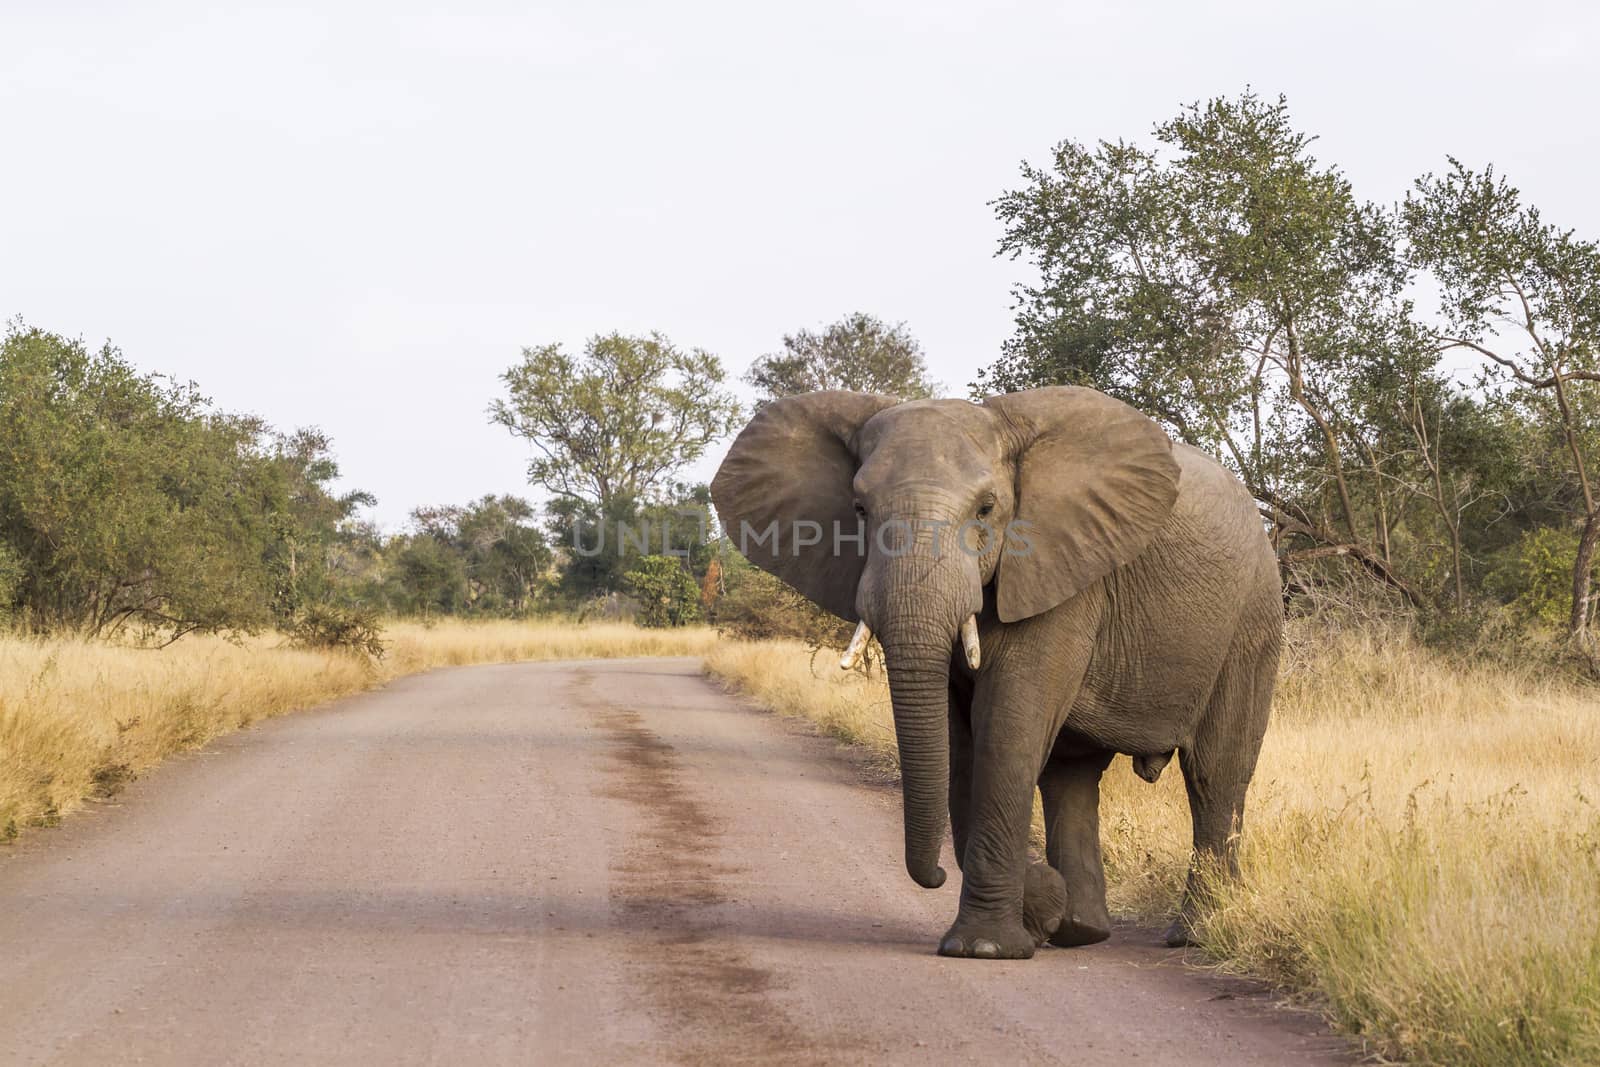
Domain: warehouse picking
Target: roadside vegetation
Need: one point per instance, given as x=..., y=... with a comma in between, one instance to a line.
x=1421, y=854
x=1408, y=390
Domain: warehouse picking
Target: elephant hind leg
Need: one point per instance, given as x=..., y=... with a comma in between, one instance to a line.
x=1070, y=789
x=1217, y=768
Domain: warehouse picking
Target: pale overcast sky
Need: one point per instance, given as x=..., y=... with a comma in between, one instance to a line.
x=353, y=215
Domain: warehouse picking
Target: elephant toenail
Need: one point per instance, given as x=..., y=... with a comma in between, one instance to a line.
x=952, y=946
x=985, y=950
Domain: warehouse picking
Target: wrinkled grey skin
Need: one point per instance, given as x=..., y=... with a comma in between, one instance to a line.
x=1145, y=619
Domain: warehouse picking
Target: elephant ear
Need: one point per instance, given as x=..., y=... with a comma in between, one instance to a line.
x=791, y=466
x=1095, y=481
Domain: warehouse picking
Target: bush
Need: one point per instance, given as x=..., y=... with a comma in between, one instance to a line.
x=761, y=607
x=346, y=629
x=668, y=594
x=1534, y=576
x=129, y=503
x=13, y=572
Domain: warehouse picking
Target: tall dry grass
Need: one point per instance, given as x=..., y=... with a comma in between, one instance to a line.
x=1421, y=855
x=79, y=718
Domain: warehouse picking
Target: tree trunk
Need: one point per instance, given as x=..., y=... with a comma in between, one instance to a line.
x=1582, y=567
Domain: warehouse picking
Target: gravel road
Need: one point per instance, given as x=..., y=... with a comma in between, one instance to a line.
x=587, y=862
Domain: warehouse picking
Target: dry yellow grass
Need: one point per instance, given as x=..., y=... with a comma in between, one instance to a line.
x=1421, y=855
x=78, y=718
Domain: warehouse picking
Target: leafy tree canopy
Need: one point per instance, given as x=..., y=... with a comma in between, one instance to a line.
x=617, y=421
x=129, y=500
x=1228, y=283
x=858, y=352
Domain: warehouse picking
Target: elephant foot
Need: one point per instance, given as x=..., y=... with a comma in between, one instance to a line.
x=986, y=941
x=1086, y=922
x=1044, y=902
x=1076, y=931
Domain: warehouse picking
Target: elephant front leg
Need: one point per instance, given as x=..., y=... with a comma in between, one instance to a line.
x=1044, y=896
x=991, y=922
x=1070, y=789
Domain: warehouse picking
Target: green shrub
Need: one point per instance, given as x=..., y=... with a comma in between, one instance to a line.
x=759, y=606
x=1534, y=575
x=666, y=591
x=13, y=572
x=346, y=629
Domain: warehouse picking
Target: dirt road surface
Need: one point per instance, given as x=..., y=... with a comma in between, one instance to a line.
x=599, y=862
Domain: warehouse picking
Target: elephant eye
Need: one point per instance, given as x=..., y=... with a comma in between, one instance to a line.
x=986, y=508
x=861, y=509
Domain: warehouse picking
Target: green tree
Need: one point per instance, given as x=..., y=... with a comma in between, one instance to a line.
x=667, y=593
x=502, y=553
x=309, y=520
x=126, y=499
x=1234, y=287
x=858, y=352
x=1524, y=296
x=429, y=577
x=618, y=421
x=601, y=546
x=13, y=572
x=611, y=429
x=356, y=564
x=129, y=501
x=1535, y=577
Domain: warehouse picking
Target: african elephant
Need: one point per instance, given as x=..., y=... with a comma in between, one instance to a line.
x=1052, y=582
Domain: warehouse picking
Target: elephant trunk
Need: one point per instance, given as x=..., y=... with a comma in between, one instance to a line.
x=915, y=597
x=918, y=660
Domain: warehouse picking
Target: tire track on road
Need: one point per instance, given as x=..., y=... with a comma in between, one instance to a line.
x=667, y=889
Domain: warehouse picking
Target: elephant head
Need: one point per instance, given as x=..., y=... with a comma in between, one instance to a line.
x=898, y=515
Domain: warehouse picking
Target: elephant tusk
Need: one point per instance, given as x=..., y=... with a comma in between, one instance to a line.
x=969, y=641
x=858, y=644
